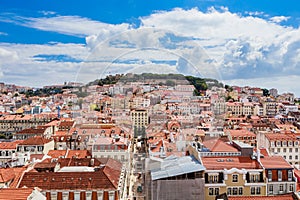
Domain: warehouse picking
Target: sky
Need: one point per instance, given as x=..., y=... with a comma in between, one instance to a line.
x=239, y=42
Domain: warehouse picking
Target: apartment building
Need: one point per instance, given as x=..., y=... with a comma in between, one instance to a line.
x=139, y=117
x=270, y=107
x=7, y=151
x=242, y=135
x=285, y=145
x=236, y=176
x=75, y=178
x=279, y=174
x=10, y=124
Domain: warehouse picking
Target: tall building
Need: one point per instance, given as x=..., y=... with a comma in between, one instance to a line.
x=139, y=118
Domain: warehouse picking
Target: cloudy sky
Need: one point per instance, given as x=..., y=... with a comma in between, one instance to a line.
x=240, y=42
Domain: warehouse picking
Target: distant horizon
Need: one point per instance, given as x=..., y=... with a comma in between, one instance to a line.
x=67, y=82
x=251, y=43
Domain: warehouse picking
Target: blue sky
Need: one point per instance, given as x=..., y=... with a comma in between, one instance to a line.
x=241, y=42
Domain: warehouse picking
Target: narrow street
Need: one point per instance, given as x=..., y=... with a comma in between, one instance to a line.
x=137, y=170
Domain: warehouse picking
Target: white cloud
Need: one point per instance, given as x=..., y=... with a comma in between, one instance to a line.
x=218, y=44
x=256, y=13
x=47, y=13
x=69, y=25
x=279, y=19
x=75, y=25
x=20, y=67
x=6, y=55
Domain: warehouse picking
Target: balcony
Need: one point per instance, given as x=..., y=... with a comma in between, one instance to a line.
x=114, y=151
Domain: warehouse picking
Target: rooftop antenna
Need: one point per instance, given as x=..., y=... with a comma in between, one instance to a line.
x=58, y=111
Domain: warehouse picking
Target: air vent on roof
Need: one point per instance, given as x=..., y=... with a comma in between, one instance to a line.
x=229, y=160
x=220, y=160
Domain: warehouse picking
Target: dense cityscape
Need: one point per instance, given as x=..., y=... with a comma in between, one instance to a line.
x=149, y=136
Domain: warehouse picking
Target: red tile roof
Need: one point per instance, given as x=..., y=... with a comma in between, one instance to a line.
x=104, y=178
x=18, y=174
x=6, y=175
x=57, y=153
x=240, y=133
x=217, y=145
x=66, y=123
x=78, y=154
x=10, y=145
x=38, y=140
x=228, y=162
x=275, y=162
x=15, y=193
x=263, y=151
x=71, y=180
x=39, y=130
x=281, y=137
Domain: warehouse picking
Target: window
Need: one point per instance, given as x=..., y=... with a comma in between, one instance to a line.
x=278, y=150
x=290, y=157
x=255, y=190
x=216, y=191
x=279, y=175
x=271, y=189
x=290, y=175
x=281, y=188
x=40, y=148
x=122, y=158
x=254, y=178
x=284, y=143
x=270, y=175
x=213, y=178
x=252, y=189
x=296, y=157
x=291, y=187
x=229, y=191
x=235, y=191
x=278, y=143
x=258, y=190
x=235, y=178
x=210, y=191
x=296, y=150
x=291, y=150
x=240, y=191
x=284, y=150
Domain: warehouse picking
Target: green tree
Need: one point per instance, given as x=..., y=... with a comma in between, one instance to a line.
x=266, y=92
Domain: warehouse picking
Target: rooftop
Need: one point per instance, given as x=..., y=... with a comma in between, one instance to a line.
x=15, y=193
x=218, y=145
x=229, y=162
x=275, y=162
x=38, y=140
x=174, y=166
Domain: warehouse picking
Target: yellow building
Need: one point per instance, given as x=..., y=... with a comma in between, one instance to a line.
x=139, y=118
x=234, y=175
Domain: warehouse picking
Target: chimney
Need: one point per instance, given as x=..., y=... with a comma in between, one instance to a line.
x=92, y=162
